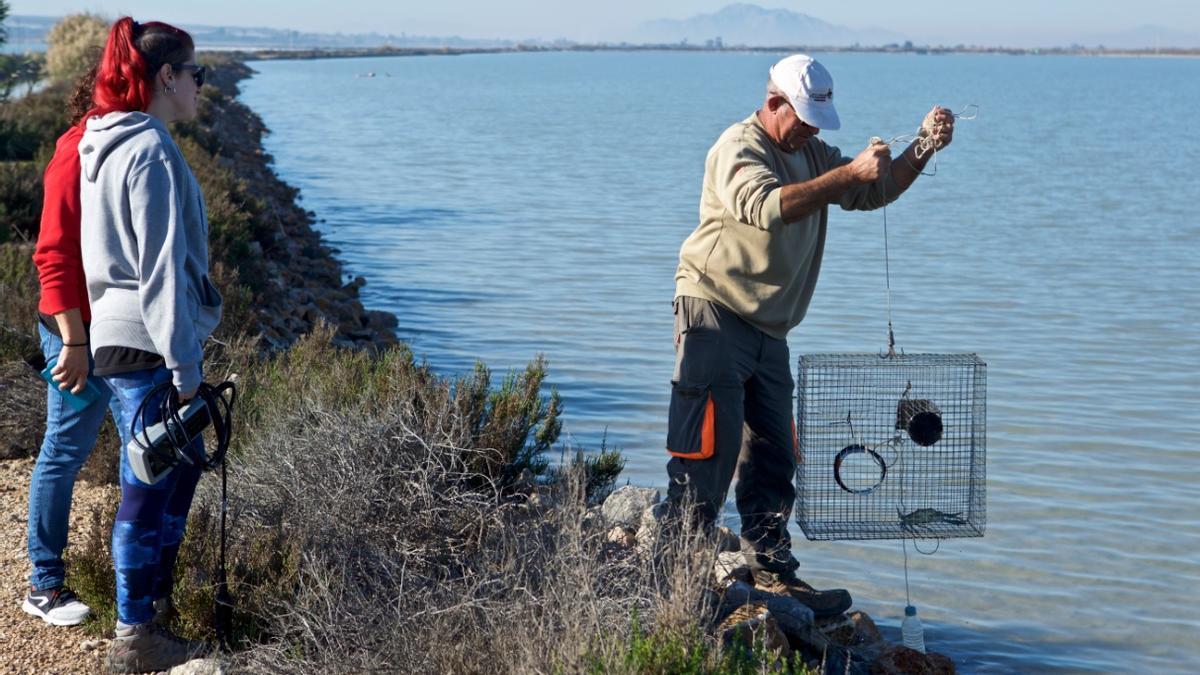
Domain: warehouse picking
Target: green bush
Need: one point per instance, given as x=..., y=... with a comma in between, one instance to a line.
x=687, y=651
x=20, y=200
x=19, y=70
x=73, y=45
x=30, y=125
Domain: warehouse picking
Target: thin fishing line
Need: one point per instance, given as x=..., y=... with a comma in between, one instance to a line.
x=887, y=270
x=925, y=145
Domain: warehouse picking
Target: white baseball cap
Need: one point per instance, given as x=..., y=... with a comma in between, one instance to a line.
x=809, y=88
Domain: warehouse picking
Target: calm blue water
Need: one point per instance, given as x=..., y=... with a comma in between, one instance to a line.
x=505, y=205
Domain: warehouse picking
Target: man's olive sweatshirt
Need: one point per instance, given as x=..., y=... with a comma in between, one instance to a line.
x=743, y=255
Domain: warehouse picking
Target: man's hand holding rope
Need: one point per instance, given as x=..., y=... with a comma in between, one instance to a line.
x=938, y=126
x=936, y=132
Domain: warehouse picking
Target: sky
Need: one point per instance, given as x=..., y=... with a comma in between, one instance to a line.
x=1016, y=23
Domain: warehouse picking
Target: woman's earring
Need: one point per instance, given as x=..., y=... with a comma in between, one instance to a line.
x=171, y=89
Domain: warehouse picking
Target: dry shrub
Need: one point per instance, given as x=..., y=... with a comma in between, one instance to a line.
x=22, y=393
x=90, y=566
x=103, y=465
x=369, y=468
x=379, y=517
x=464, y=582
x=18, y=301
x=22, y=403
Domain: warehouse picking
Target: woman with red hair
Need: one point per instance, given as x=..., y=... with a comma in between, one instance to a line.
x=71, y=424
x=144, y=237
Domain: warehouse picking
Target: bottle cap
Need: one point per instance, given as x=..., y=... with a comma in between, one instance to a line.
x=910, y=611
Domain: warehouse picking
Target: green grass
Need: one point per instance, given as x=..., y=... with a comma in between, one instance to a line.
x=687, y=651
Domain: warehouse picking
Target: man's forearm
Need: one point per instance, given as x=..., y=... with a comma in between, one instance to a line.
x=907, y=167
x=801, y=199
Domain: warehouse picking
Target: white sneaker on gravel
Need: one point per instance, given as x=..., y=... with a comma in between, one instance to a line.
x=56, y=606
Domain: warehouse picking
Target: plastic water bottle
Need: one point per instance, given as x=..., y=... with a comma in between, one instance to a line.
x=912, y=631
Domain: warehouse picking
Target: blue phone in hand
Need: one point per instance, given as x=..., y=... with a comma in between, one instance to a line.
x=79, y=401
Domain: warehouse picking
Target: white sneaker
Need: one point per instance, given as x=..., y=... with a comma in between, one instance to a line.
x=56, y=606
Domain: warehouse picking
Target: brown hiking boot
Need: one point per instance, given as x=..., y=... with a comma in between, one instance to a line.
x=149, y=647
x=822, y=603
x=164, y=612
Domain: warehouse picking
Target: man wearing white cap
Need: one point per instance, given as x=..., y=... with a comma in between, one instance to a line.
x=745, y=278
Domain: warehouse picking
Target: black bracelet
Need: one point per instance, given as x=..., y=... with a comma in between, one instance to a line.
x=80, y=344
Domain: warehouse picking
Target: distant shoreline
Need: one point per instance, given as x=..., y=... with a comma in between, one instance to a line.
x=346, y=53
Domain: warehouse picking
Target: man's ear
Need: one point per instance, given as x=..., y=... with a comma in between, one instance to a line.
x=774, y=101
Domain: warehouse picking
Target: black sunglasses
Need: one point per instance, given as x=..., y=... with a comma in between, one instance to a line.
x=198, y=72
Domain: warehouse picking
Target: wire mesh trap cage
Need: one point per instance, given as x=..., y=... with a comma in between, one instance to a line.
x=893, y=446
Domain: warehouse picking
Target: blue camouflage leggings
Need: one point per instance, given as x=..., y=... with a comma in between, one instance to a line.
x=151, y=519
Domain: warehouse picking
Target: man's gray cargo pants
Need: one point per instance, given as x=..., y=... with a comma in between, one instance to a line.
x=731, y=410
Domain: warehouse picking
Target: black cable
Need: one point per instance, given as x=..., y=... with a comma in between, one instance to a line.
x=223, y=607
x=219, y=408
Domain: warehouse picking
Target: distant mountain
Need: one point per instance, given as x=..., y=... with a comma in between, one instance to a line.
x=753, y=26
x=1147, y=37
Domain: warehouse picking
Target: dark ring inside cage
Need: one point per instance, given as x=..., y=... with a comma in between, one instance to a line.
x=871, y=476
x=921, y=419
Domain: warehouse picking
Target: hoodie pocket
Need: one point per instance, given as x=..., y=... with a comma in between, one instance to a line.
x=207, y=308
x=209, y=295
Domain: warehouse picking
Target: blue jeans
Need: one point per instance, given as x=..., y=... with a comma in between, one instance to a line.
x=70, y=436
x=151, y=519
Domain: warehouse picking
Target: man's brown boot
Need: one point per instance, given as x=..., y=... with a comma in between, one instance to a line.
x=822, y=603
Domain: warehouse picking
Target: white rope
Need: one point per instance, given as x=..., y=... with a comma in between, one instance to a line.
x=924, y=138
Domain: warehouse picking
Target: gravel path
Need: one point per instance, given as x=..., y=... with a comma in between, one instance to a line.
x=28, y=645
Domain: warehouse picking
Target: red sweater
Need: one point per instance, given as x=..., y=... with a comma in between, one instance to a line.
x=58, y=259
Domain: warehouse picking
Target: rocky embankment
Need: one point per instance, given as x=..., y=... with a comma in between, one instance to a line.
x=304, y=281
x=850, y=643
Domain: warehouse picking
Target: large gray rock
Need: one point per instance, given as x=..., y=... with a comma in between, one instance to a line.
x=622, y=536
x=727, y=540
x=199, y=667
x=794, y=619
x=651, y=524
x=731, y=565
x=653, y=515
x=900, y=660
x=751, y=625
x=627, y=503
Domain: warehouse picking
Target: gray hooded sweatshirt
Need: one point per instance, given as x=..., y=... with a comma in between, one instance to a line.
x=144, y=237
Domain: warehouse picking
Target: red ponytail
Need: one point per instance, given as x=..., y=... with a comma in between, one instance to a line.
x=133, y=55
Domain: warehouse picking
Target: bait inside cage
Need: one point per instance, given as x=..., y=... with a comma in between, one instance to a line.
x=893, y=446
